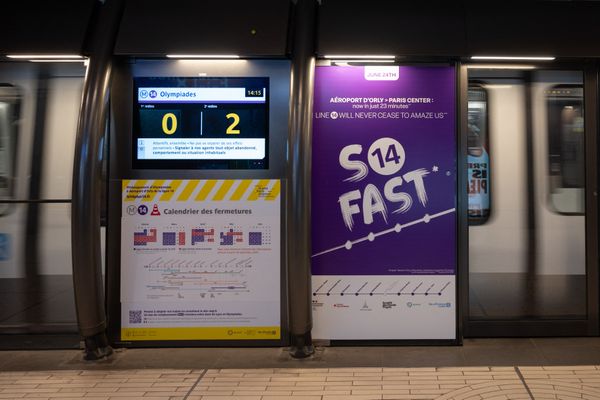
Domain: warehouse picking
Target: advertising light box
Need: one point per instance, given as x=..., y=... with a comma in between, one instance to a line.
x=384, y=203
x=201, y=123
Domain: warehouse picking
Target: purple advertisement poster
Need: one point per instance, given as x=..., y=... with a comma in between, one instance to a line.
x=384, y=201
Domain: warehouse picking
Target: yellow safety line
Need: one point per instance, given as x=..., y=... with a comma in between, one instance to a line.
x=206, y=189
x=151, y=195
x=167, y=195
x=241, y=189
x=189, y=189
x=225, y=186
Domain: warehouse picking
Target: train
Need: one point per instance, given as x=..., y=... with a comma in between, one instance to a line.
x=526, y=155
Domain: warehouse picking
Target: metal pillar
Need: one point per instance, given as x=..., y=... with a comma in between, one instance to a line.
x=299, y=174
x=87, y=185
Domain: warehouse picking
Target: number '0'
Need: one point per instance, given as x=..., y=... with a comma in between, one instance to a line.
x=165, y=123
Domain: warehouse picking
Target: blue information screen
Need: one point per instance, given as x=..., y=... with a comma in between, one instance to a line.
x=201, y=123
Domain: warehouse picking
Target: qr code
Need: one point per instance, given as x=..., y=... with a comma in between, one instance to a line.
x=135, y=317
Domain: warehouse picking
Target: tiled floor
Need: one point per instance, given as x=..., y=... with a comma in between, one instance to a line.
x=559, y=368
x=490, y=383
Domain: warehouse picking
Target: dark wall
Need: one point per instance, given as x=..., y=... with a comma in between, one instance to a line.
x=391, y=27
x=558, y=28
x=244, y=27
x=35, y=26
x=460, y=27
x=259, y=28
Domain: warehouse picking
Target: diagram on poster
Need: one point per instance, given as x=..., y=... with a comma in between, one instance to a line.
x=200, y=260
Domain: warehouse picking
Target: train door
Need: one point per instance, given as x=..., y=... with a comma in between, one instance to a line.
x=531, y=190
x=39, y=106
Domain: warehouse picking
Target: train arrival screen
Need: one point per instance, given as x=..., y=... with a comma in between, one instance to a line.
x=203, y=123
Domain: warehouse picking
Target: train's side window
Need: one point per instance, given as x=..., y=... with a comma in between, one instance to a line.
x=10, y=104
x=566, y=151
x=478, y=157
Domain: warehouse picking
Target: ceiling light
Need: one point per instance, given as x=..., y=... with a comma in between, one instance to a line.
x=362, y=61
x=509, y=58
x=44, y=56
x=360, y=57
x=497, y=86
x=50, y=60
x=349, y=63
x=209, y=56
x=499, y=66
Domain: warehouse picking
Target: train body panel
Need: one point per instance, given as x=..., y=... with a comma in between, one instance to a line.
x=41, y=165
x=502, y=236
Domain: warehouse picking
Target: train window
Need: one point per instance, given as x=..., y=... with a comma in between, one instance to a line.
x=566, y=150
x=478, y=158
x=10, y=101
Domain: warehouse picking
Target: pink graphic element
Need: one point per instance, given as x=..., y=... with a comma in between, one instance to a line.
x=227, y=238
x=143, y=238
x=200, y=235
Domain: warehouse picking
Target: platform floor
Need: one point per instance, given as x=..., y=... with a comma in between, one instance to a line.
x=566, y=368
x=564, y=382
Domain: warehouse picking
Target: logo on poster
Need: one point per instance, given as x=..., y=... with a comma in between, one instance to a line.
x=155, y=210
x=388, y=305
x=386, y=157
x=440, y=305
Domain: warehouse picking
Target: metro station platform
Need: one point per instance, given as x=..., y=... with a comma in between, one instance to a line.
x=566, y=368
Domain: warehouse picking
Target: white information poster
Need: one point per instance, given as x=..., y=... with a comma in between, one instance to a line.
x=200, y=260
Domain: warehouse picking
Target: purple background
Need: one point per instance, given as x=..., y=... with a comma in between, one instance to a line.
x=419, y=249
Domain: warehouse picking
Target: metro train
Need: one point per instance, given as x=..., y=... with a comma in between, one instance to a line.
x=39, y=107
x=527, y=248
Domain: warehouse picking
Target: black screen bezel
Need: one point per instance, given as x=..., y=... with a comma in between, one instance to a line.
x=195, y=164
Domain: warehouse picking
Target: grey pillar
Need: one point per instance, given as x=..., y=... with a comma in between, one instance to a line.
x=299, y=171
x=85, y=221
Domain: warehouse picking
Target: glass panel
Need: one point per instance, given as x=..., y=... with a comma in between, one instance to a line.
x=527, y=262
x=565, y=148
x=10, y=105
x=39, y=107
x=36, y=287
x=478, y=156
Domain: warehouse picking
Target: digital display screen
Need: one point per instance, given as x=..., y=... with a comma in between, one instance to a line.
x=201, y=123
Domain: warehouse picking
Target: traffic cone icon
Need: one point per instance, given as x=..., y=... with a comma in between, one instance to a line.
x=155, y=210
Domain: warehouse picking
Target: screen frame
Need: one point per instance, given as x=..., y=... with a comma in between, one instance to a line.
x=195, y=164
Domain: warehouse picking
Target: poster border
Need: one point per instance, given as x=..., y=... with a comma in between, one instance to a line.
x=113, y=281
x=461, y=221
